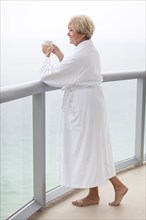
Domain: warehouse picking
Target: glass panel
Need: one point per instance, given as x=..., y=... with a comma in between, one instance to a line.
x=145, y=135
x=120, y=98
x=16, y=155
x=53, y=105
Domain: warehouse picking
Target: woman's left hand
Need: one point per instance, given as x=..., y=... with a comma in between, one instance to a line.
x=47, y=50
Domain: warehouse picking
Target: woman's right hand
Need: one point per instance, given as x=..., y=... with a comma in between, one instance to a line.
x=55, y=50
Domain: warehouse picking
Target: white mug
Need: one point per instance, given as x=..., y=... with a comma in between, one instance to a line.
x=48, y=43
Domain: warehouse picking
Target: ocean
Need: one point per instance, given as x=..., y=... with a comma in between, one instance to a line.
x=20, y=62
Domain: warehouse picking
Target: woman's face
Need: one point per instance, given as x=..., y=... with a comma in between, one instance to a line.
x=75, y=38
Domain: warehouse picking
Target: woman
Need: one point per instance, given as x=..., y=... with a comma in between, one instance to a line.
x=85, y=149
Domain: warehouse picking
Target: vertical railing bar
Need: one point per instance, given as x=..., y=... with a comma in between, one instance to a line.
x=140, y=120
x=39, y=149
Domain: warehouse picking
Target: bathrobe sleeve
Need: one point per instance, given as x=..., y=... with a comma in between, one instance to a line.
x=61, y=74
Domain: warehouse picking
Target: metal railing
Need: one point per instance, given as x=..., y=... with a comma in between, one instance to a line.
x=38, y=89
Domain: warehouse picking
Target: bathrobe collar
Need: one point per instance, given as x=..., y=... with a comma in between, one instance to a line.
x=84, y=44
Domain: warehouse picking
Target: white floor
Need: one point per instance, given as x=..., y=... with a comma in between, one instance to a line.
x=132, y=207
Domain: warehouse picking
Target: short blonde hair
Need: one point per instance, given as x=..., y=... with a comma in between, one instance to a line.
x=83, y=25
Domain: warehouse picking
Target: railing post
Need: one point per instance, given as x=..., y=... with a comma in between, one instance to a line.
x=39, y=149
x=140, y=120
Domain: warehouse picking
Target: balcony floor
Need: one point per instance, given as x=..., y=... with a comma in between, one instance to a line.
x=132, y=206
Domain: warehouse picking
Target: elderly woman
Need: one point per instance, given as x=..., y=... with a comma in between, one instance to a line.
x=84, y=144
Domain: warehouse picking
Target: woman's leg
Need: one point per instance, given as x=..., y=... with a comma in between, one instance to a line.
x=120, y=190
x=90, y=199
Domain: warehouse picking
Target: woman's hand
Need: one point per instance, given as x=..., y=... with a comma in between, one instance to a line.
x=53, y=49
x=57, y=52
x=46, y=50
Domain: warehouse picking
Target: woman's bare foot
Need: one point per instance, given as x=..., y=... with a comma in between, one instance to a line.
x=89, y=200
x=119, y=193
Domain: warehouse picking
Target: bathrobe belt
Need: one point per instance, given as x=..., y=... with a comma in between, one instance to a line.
x=68, y=93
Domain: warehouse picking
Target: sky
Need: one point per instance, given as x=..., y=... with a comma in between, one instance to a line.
x=49, y=19
x=119, y=34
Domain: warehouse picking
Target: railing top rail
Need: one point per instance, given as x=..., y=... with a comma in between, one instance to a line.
x=139, y=74
x=10, y=93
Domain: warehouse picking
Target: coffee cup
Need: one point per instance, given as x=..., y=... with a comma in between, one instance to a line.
x=48, y=43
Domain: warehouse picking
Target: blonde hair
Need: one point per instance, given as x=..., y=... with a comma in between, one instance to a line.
x=83, y=25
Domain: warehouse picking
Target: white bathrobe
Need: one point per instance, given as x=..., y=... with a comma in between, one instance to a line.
x=85, y=152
